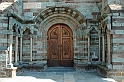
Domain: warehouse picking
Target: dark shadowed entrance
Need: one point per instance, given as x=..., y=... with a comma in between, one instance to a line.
x=60, y=46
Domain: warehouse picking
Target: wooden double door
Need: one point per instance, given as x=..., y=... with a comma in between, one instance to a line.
x=60, y=46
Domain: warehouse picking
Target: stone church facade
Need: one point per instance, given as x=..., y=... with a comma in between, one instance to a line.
x=76, y=33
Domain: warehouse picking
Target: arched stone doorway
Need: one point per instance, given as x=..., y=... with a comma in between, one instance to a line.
x=60, y=46
x=69, y=17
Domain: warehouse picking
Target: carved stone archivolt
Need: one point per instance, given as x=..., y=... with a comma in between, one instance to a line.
x=60, y=10
x=54, y=15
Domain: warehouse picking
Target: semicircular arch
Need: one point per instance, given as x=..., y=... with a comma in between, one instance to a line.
x=53, y=15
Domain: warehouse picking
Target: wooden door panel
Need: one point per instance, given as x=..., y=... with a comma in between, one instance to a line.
x=54, y=49
x=66, y=48
x=65, y=32
x=54, y=33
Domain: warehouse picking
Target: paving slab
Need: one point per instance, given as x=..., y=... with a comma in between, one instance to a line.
x=69, y=77
x=58, y=77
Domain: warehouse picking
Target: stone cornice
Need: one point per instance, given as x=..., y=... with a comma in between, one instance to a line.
x=20, y=19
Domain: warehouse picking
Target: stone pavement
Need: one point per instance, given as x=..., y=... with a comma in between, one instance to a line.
x=76, y=76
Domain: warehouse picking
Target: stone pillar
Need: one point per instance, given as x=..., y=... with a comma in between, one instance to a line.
x=89, y=62
x=10, y=65
x=21, y=49
x=16, y=51
x=108, y=49
x=21, y=35
x=99, y=48
x=103, y=49
x=30, y=48
x=31, y=42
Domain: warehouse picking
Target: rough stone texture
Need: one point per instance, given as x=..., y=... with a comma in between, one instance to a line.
x=4, y=71
x=80, y=54
x=10, y=72
x=3, y=59
x=94, y=45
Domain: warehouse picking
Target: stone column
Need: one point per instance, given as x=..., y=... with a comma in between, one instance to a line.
x=10, y=65
x=21, y=49
x=30, y=48
x=21, y=35
x=16, y=51
x=99, y=48
x=108, y=49
x=89, y=62
x=103, y=49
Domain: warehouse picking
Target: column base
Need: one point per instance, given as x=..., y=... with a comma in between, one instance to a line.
x=11, y=72
x=30, y=63
x=16, y=64
x=10, y=66
x=20, y=62
x=109, y=66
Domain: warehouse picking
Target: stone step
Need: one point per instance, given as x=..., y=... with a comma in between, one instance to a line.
x=60, y=69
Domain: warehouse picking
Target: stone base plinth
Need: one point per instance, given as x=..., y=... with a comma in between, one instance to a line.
x=85, y=67
x=11, y=72
x=8, y=72
x=32, y=67
x=116, y=74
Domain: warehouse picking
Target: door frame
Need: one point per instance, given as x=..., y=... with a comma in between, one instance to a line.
x=72, y=46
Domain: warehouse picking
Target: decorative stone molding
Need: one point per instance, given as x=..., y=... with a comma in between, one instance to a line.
x=96, y=28
x=60, y=10
x=65, y=15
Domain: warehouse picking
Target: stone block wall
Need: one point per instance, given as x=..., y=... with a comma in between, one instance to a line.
x=4, y=71
x=40, y=49
x=26, y=46
x=81, y=51
x=118, y=43
x=30, y=13
x=94, y=45
x=118, y=49
x=3, y=28
x=3, y=62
